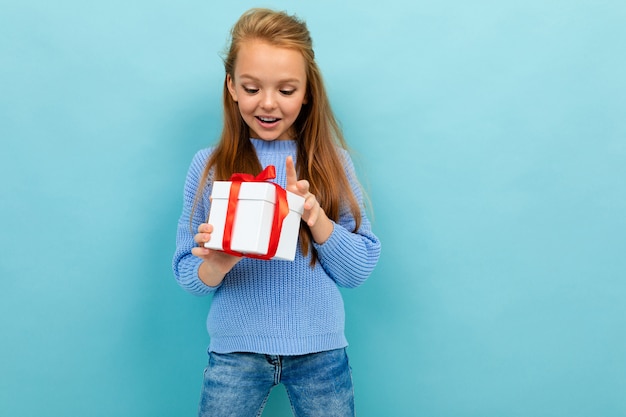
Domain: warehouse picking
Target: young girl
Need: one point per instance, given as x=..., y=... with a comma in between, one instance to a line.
x=275, y=321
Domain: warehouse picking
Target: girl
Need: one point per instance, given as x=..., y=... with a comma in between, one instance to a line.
x=275, y=321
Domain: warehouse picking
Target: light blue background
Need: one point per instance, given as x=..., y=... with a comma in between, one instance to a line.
x=490, y=135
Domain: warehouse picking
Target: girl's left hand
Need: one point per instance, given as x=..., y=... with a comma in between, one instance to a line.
x=314, y=215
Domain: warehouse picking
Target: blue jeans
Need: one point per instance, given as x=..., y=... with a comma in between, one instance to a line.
x=238, y=384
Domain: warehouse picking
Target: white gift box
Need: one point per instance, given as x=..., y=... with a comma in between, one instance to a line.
x=254, y=214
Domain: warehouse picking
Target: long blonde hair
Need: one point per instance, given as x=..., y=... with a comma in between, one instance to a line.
x=318, y=133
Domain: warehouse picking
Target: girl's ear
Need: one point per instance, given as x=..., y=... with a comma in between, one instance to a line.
x=231, y=87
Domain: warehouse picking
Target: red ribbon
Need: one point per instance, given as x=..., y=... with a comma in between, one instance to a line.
x=281, y=210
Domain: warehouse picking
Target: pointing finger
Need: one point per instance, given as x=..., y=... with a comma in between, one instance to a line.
x=292, y=176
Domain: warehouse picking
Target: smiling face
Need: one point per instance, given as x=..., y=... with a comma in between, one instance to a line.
x=269, y=84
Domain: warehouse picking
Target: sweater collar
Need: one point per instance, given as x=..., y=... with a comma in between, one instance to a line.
x=274, y=145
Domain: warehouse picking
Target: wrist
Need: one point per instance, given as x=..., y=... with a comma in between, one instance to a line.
x=208, y=274
x=322, y=229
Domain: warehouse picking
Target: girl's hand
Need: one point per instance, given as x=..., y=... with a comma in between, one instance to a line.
x=216, y=263
x=314, y=215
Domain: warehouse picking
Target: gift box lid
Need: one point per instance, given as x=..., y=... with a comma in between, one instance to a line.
x=260, y=191
x=249, y=191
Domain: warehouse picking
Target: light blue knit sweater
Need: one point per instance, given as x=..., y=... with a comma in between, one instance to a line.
x=278, y=307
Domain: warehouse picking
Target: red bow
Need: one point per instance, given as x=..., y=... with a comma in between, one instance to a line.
x=281, y=210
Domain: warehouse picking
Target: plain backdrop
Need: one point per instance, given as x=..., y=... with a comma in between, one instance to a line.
x=489, y=135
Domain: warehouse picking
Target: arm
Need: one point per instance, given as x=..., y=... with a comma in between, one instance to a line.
x=198, y=270
x=347, y=257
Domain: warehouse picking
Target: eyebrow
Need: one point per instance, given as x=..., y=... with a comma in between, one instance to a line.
x=286, y=80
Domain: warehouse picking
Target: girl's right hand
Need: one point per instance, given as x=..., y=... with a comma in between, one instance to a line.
x=216, y=264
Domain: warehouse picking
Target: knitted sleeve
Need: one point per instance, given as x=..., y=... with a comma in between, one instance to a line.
x=349, y=257
x=184, y=264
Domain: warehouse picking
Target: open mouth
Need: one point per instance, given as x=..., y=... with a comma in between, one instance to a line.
x=267, y=120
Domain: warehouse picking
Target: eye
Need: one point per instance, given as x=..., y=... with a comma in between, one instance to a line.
x=250, y=90
x=287, y=92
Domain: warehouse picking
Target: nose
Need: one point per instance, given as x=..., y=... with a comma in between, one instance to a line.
x=268, y=101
